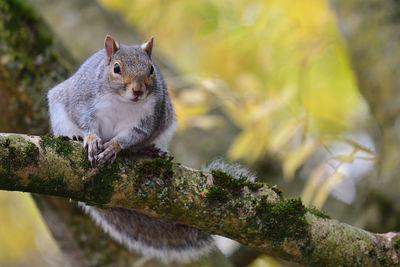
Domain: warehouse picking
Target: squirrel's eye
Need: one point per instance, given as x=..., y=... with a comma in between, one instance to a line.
x=151, y=69
x=117, y=69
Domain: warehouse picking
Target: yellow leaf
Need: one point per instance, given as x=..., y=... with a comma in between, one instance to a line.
x=312, y=184
x=281, y=136
x=326, y=187
x=297, y=157
x=345, y=158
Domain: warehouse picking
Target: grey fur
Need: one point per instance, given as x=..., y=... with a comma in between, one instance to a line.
x=93, y=103
x=80, y=92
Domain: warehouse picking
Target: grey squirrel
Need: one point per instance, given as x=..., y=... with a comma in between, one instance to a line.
x=116, y=100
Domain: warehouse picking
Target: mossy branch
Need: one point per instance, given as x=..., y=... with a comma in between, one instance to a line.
x=254, y=214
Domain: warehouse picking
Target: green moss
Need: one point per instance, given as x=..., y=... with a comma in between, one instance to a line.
x=17, y=156
x=278, y=191
x=226, y=185
x=30, y=153
x=386, y=261
x=396, y=243
x=84, y=163
x=280, y=220
x=151, y=182
x=6, y=143
x=217, y=192
x=62, y=145
x=53, y=186
x=9, y=181
x=372, y=252
x=318, y=213
x=159, y=167
x=234, y=185
x=99, y=188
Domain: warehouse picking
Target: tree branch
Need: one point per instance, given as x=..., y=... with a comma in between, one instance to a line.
x=254, y=214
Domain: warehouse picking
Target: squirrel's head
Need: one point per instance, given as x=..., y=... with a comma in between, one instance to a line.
x=130, y=70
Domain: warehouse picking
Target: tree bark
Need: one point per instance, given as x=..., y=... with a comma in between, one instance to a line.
x=253, y=214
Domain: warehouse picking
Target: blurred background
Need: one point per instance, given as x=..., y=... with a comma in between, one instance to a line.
x=303, y=93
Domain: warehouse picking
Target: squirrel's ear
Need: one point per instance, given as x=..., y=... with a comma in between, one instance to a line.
x=111, y=47
x=148, y=46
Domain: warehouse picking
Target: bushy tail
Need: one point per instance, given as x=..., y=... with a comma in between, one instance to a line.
x=159, y=238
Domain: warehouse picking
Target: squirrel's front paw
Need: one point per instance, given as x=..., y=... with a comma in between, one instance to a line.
x=93, y=146
x=111, y=148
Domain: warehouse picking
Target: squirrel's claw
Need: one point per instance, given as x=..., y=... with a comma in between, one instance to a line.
x=154, y=152
x=109, y=154
x=77, y=138
x=93, y=146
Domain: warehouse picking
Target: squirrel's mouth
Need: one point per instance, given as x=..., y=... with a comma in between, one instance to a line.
x=135, y=99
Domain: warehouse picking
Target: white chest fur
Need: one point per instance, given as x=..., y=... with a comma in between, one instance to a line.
x=116, y=116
